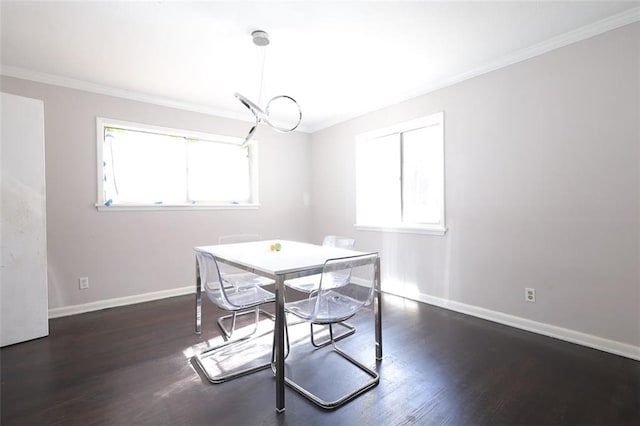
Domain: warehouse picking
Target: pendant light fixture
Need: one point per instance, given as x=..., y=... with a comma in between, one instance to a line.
x=261, y=39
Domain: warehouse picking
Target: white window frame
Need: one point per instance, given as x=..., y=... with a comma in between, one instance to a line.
x=436, y=119
x=102, y=122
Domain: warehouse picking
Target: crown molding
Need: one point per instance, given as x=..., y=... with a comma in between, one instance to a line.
x=86, y=86
x=100, y=89
x=587, y=31
x=613, y=22
x=579, y=34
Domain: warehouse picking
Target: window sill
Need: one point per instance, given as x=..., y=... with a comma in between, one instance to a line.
x=173, y=207
x=404, y=229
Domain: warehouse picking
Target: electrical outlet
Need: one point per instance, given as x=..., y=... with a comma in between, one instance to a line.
x=530, y=294
x=83, y=283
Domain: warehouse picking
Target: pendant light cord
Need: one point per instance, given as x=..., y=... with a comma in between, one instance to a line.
x=264, y=57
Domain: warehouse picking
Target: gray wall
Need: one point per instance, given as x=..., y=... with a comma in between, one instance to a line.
x=132, y=253
x=542, y=190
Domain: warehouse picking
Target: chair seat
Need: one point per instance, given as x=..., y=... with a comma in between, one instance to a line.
x=304, y=284
x=246, y=279
x=336, y=307
x=244, y=297
x=312, y=282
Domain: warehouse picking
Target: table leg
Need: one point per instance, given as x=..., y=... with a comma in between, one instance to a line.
x=198, y=300
x=377, y=309
x=279, y=341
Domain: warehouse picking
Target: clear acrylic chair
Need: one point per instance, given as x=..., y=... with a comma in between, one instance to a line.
x=236, y=299
x=333, y=302
x=310, y=283
x=238, y=279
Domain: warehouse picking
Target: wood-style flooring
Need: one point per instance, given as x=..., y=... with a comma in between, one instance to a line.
x=133, y=365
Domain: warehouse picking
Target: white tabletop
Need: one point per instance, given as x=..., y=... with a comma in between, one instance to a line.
x=292, y=257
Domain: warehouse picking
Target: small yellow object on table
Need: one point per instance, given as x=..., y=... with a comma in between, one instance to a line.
x=275, y=247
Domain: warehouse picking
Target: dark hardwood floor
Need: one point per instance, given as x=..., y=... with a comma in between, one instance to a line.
x=132, y=366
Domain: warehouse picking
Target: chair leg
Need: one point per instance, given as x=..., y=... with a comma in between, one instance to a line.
x=332, y=405
x=350, y=330
x=218, y=377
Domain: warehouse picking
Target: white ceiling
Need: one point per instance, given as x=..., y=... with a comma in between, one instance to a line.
x=338, y=59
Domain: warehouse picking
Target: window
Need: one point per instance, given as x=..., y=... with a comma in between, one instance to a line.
x=400, y=177
x=148, y=167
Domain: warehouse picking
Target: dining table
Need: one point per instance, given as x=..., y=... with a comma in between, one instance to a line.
x=281, y=260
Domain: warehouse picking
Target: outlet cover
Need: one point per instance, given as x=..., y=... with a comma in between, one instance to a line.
x=83, y=283
x=530, y=294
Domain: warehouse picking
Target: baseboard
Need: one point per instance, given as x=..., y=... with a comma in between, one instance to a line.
x=119, y=301
x=577, y=337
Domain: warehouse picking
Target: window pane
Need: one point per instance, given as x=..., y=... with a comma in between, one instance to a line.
x=218, y=172
x=422, y=175
x=378, y=180
x=143, y=167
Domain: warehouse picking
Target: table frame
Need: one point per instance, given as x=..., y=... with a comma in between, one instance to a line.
x=279, y=327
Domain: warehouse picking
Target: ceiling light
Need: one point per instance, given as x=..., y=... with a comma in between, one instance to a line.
x=261, y=39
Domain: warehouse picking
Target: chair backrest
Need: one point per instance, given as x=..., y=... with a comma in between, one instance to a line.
x=231, y=288
x=224, y=287
x=211, y=280
x=337, y=241
x=341, y=277
x=346, y=297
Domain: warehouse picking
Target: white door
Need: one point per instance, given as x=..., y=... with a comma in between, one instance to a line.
x=23, y=252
